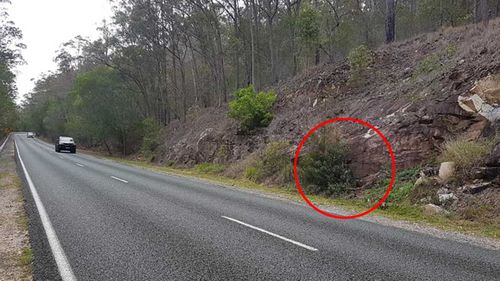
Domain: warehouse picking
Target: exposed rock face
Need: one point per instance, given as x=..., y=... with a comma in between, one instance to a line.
x=484, y=98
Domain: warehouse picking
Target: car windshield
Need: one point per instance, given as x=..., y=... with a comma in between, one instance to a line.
x=66, y=139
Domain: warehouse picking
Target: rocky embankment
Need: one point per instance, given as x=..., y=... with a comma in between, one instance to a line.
x=419, y=93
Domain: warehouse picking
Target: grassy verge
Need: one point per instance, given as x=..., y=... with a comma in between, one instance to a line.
x=15, y=249
x=402, y=211
x=26, y=257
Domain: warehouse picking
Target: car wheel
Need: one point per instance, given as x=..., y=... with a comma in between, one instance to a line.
x=73, y=150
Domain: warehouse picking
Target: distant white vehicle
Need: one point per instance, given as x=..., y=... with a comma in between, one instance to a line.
x=30, y=135
x=65, y=143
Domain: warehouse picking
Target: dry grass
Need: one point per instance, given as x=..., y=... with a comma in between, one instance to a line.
x=466, y=154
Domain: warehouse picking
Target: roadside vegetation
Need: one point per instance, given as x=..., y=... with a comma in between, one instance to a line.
x=467, y=154
x=15, y=251
x=359, y=58
x=324, y=169
x=399, y=205
x=10, y=57
x=251, y=109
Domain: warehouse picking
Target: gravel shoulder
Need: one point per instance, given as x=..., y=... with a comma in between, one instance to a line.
x=15, y=251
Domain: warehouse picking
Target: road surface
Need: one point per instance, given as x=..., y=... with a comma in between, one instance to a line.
x=106, y=221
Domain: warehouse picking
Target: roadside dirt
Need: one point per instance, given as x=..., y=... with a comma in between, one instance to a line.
x=15, y=253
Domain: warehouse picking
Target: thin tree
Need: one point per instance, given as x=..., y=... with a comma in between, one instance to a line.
x=390, y=21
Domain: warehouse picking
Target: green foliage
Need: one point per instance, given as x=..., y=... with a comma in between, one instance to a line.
x=26, y=256
x=10, y=57
x=325, y=168
x=435, y=61
x=360, y=59
x=106, y=108
x=254, y=172
x=450, y=50
x=401, y=191
x=151, y=136
x=272, y=165
x=252, y=109
x=209, y=168
x=308, y=24
x=429, y=64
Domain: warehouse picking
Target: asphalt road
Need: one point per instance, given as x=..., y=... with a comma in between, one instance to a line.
x=114, y=222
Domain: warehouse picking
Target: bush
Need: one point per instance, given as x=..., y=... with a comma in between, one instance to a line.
x=359, y=59
x=325, y=169
x=429, y=64
x=466, y=153
x=401, y=191
x=151, y=139
x=254, y=172
x=273, y=164
x=252, y=109
x=209, y=168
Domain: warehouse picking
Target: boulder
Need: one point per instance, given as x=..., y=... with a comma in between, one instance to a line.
x=446, y=170
x=483, y=98
x=431, y=210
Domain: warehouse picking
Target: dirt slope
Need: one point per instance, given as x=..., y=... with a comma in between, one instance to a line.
x=410, y=93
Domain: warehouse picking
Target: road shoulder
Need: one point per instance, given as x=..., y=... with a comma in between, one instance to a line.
x=15, y=250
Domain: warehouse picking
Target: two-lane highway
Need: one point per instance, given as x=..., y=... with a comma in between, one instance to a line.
x=115, y=222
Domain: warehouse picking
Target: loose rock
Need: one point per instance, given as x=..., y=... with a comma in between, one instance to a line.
x=446, y=170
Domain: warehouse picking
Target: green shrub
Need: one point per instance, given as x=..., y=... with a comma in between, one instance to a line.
x=450, y=50
x=435, y=61
x=272, y=164
x=209, y=168
x=254, y=172
x=359, y=59
x=429, y=64
x=466, y=153
x=252, y=109
x=151, y=137
x=325, y=170
x=401, y=191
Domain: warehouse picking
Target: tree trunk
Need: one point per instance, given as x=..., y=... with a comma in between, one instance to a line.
x=317, y=57
x=390, y=22
x=484, y=11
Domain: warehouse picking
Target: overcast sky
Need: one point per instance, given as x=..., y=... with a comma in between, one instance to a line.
x=48, y=23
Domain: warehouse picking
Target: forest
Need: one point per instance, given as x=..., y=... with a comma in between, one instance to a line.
x=10, y=57
x=158, y=60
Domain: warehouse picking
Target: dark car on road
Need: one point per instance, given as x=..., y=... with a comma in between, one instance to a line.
x=65, y=143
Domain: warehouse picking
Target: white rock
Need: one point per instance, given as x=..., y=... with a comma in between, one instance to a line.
x=446, y=197
x=483, y=98
x=446, y=170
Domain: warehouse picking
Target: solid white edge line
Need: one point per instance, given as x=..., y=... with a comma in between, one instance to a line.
x=272, y=234
x=3, y=144
x=79, y=165
x=118, y=179
x=63, y=265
